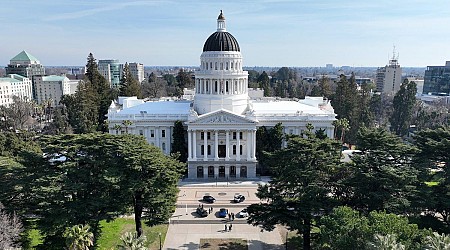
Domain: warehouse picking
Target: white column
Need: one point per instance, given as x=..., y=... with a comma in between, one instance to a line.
x=169, y=141
x=249, y=140
x=238, y=146
x=189, y=145
x=227, y=145
x=205, y=145
x=238, y=171
x=216, y=145
x=205, y=171
x=157, y=137
x=254, y=144
x=194, y=145
x=227, y=171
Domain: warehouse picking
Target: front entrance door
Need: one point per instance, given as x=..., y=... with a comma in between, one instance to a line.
x=210, y=172
x=243, y=172
x=232, y=171
x=222, y=151
x=222, y=172
x=199, y=172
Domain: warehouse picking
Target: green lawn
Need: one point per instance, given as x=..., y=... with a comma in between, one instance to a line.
x=112, y=231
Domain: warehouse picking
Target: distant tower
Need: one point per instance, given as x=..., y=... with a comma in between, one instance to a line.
x=221, y=83
x=389, y=77
x=111, y=70
x=26, y=65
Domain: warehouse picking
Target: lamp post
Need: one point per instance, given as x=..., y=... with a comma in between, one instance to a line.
x=286, y=240
x=160, y=246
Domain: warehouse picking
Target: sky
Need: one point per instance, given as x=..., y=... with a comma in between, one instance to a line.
x=270, y=32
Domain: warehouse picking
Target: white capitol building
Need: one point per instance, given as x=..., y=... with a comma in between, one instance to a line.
x=222, y=119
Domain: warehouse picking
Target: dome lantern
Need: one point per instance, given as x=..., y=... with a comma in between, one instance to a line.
x=221, y=22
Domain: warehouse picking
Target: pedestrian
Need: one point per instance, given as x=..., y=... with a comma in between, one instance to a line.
x=229, y=227
x=202, y=206
x=229, y=216
x=225, y=227
x=232, y=216
x=211, y=209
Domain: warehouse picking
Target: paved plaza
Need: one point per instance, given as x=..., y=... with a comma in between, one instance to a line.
x=187, y=228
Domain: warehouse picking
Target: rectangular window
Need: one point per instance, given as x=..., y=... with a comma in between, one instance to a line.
x=208, y=135
x=152, y=133
x=234, y=135
x=202, y=150
x=163, y=133
x=141, y=132
x=240, y=149
x=209, y=149
x=202, y=135
x=240, y=135
x=234, y=149
x=163, y=146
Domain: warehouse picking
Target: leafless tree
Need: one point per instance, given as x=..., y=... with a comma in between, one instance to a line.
x=10, y=229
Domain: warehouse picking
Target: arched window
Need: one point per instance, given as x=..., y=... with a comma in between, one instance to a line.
x=215, y=88
x=243, y=172
x=199, y=172
x=215, y=64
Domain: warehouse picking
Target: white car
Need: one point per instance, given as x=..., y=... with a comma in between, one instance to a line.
x=243, y=213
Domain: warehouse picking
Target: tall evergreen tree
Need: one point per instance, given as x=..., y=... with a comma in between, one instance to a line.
x=301, y=188
x=179, y=144
x=264, y=83
x=404, y=102
x=325, y=87
x=128, y=85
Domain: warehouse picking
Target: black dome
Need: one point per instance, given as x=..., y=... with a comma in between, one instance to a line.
x=221, y=41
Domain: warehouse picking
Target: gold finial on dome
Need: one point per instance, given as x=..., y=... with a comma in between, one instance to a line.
x=221, y=16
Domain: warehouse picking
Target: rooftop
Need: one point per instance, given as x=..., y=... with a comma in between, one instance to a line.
x=24, y=56
x=54, y=78
x=159, y=107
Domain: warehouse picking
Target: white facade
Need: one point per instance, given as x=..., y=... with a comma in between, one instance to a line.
x=14, y=85
x=137, y=71
x=222, y=119
x=52, y=88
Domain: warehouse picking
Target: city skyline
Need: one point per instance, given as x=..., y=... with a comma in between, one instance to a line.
x=270, y=33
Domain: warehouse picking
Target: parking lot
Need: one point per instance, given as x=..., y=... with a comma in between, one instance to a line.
x=187, y=227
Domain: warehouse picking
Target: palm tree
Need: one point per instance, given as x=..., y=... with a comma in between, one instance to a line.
x=438, y=242
x=127, y=123
x=388, y=242
x=79, y=237
x=117, y=128
x=345, y=126
x=130, y=241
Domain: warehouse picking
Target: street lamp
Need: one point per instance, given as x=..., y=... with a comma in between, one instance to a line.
x=160, y=246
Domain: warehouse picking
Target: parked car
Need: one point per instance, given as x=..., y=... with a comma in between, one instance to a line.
x=209, y=199
x=243, y=213
x=223, y=213
x=239, y=198
x=202, y=212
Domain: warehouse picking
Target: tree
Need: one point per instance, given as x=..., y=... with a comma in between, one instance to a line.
x=60, y=123
x=433, y=160
x=129, y=86
x=154, y=87
x=325, y=87
x=10, y=229
x=126, y=124
x=438, y=242
x=179, y=145
x=341, y=125
x=301, y=188
x=382, y=176
x=404, y=102
x=131, y=241
x=79, y=237
x=16, y=116
x=264, y=83
x=388, y=242
x=184, y=80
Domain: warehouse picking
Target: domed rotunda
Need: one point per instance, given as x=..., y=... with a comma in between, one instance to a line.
x=221, y=83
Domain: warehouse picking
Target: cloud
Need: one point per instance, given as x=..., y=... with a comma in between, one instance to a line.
x=108, y=7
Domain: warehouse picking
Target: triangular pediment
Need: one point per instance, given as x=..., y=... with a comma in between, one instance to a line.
x=221, y=117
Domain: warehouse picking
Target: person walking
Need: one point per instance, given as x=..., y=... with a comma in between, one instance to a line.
x=225, y=227
x=232, y=216
x=230, y=227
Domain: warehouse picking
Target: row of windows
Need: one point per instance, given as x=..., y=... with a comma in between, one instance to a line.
x=208, y=148
x=208, y=135
x=152, y=133
x=220, y=66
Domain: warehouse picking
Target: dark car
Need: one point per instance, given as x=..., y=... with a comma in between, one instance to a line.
x=209, y=199
x=202, y=212
x=239, y=198
x=223, y=213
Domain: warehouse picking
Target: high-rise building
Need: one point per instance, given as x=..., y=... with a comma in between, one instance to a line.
x=389, y=77
x=437, y=79
x=26, y=65
x=52, y=88
x=111, y=70
x=137, y=70
x=14, y=85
